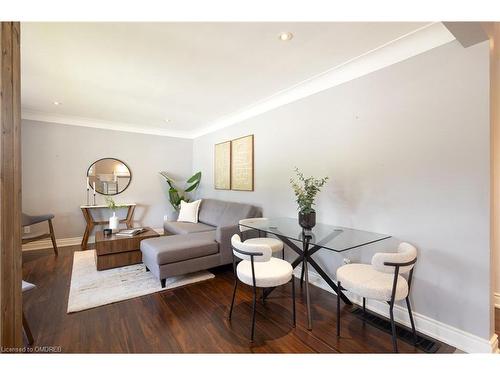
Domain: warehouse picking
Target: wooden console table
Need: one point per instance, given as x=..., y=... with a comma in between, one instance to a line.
x=91, y=222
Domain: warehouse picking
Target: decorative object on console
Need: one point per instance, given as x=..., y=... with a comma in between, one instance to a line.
x=189, y=211
x=242, y=163
x=109, y=176
x=113, y=220
x=222, y=166
x=305, y=190
x=107, y=232
x=175, y=195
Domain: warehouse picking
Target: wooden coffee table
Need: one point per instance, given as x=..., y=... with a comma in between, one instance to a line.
x=116, y=251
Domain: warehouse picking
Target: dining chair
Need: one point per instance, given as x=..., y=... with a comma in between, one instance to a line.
x=259, y=269
x=275, y=244
x=28, y=220
x=26, y=286
x=381, y=280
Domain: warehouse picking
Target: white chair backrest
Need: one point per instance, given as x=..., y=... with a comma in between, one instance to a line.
x=406, y=253
x=265, y=250
x=257, y=220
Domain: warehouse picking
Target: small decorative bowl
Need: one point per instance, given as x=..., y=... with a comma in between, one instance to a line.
x=107, y=232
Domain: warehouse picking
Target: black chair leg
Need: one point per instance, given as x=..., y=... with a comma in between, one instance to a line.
x=253, y=312
x=393, y=328
x=163, y=283
x=283, y=253
x=364, y=305
x=293, y=300
x=415, y=339
x=232, y=300
x=338, y=308
x=53, y=237
x=27, y=330
x=302, y=277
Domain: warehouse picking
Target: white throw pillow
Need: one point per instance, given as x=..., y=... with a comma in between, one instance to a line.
x=189, y=211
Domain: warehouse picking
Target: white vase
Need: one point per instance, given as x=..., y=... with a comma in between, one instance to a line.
x=113, y=222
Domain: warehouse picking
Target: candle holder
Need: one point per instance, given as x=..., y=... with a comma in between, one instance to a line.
x=94, y=199
x=88, y=201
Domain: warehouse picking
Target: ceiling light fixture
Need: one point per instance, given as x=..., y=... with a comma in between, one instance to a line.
x=285, y=36
x=57, y=103
x=167, y=120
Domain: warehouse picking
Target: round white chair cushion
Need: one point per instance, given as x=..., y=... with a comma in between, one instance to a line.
x=274, y=272
x=365, y=281
x=275, y=244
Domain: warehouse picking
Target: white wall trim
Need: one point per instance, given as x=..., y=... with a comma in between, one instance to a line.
x=440, y=331
x=61, y=242
x=54, y=118
x=497, y=300
x=409, y=45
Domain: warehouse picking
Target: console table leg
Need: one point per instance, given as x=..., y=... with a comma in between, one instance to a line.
x=130, y=216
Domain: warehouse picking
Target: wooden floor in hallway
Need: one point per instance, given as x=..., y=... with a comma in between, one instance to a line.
x=190, y=319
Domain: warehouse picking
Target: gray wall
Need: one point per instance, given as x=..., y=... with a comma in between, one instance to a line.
x=407, y=151
x=55, y=162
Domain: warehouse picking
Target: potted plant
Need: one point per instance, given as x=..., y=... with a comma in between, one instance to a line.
x=176, y=195
x=114, y=221
x=305, y=190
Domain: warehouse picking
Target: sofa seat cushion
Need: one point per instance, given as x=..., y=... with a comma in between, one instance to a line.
x=366, y=281
x=179, y=227
x=171, y=249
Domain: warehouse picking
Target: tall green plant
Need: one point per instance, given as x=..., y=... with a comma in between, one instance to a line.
x=175, y=194
x=305, y=190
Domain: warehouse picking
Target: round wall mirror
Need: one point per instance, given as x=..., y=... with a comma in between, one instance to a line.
x=111, y=176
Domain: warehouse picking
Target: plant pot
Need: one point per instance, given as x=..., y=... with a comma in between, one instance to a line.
x=114, y=222
x=307, y=220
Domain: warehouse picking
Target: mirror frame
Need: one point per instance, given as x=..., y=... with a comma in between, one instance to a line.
x=125, y=164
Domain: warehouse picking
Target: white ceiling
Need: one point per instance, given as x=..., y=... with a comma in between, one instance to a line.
x=135, y=75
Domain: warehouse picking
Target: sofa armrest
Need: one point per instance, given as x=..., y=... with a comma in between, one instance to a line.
x=223, y=237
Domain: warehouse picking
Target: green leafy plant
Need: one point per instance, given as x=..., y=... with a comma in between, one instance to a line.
x=305, y=190
x=176, y=195
x=110, y=202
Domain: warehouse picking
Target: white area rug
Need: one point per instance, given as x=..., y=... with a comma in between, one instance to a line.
x=91, y=288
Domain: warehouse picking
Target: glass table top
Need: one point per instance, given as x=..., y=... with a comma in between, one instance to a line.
x=329, y=237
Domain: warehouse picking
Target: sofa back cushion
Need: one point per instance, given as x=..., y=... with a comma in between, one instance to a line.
x=221, y=213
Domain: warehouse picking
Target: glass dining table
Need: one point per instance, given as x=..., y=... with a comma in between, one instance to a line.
x=306, y=243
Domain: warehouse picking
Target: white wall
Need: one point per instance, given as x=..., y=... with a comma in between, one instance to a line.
x=407, y=151
x=55, y=162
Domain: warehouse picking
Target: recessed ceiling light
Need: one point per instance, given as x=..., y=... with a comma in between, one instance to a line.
x=285, y=36
x=167, y=120
x=57, y=103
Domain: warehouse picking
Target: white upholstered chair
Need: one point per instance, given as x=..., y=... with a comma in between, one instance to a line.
x=275, y=244
x=381, y=280
x=259, y=269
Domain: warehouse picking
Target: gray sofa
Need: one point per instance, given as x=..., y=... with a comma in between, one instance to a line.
x=191, y=247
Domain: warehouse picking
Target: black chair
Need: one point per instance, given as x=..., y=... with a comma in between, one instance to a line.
x=381, y=280
x=28, y=220
x=259, y=269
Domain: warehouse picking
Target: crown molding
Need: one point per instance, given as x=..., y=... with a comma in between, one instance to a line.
x=409, y=45
x=55, y=118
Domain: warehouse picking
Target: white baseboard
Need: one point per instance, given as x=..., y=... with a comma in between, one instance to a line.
x=497, y=300
x=440, y=331
x=61, y=242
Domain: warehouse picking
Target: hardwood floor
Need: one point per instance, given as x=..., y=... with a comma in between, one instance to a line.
x=190, y=319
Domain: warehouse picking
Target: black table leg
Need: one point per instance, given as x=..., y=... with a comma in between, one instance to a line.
x=329, y=281
x=306, y=275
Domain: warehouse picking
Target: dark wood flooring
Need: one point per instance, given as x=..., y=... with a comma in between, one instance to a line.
x=190, y=319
